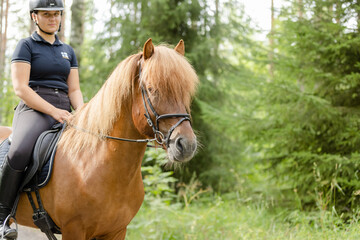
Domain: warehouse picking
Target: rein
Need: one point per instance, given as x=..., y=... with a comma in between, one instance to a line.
x=145, y=140
x=159, y=137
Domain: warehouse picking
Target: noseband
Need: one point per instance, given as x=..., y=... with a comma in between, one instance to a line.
x=160, y=138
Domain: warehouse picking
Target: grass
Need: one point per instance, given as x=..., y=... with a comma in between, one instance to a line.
x=219, y=219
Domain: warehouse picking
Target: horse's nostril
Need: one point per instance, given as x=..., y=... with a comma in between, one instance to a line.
x=179, y=144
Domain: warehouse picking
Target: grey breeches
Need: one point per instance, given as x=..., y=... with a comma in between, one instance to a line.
x=28, y=124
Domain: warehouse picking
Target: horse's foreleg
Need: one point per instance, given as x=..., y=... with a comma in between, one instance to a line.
x=73, y=231
x=115, y=236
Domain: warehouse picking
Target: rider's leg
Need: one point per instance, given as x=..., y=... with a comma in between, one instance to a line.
x=28, y=125
x=10, y=179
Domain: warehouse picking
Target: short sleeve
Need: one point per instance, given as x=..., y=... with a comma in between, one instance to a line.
x=73, y=62
x=22, y=52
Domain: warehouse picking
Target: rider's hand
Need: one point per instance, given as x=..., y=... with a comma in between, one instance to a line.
x=61, y=115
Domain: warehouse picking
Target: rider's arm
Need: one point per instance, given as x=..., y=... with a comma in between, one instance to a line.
x=75, y=95
x=20, y=73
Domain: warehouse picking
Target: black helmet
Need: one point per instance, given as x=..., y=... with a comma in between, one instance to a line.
x=46, y=5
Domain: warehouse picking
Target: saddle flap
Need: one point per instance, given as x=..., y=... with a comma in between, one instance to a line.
x=45, y=145
x=44, y=152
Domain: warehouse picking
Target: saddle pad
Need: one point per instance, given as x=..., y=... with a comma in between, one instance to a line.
x=45, y=173
x=44, y=152
x=40, y=169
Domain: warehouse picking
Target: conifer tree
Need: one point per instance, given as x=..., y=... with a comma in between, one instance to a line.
x=77, y=27
x=310, y=127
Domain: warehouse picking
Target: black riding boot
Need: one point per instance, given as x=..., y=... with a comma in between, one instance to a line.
x=10, y=180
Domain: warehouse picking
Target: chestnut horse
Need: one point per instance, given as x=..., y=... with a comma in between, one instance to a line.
x=96, y=186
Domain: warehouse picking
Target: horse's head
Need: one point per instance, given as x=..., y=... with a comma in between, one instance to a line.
x=165, y=87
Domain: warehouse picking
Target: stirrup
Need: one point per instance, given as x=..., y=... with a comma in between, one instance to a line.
x=9, y=217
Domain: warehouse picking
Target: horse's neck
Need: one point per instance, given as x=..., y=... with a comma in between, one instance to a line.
x=116, y=161
x=125, y=157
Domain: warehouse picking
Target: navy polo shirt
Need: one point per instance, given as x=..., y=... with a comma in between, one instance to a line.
x=50, y=63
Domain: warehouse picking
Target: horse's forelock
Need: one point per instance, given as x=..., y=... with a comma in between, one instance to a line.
x=171, y=75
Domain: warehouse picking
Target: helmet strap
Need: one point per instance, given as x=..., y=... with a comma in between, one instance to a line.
x=48, y=33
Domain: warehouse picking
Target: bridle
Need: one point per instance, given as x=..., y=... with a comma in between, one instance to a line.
x=159, y=137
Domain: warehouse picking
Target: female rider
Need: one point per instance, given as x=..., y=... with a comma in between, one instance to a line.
x=45, y=77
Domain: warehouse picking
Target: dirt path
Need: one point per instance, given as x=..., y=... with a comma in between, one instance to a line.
x=26, y=233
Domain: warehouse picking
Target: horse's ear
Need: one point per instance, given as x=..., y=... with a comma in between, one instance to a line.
x=148, y=49
x=180, y=47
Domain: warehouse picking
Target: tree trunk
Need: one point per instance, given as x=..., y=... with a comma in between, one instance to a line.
x=300, y=80
x=331, y=11
x=4, y=38
x=301, y=9
x=271, y=42
x=318, y=12
x=32, y=27
x=358, y=15
x=112, y=27
x=61, y=34
x=1, y=20
x=217, y=26
x=77, y=27
x=338, y=12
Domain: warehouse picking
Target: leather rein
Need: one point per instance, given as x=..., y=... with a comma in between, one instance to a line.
x=159, y=137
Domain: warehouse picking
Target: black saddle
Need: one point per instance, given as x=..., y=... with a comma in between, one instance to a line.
x=38, y=173
x=43, y=157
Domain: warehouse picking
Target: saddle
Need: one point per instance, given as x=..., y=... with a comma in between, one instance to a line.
x=38, y=174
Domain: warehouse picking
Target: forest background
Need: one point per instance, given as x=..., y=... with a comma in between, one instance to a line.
x=277, y=119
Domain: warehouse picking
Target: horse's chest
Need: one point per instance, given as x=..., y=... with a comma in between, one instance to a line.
x=115, y=208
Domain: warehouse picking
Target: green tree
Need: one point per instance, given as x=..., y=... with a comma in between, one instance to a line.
x=77, y=27
x=309, y=127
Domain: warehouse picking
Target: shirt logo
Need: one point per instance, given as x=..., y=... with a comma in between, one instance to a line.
x=64, y=55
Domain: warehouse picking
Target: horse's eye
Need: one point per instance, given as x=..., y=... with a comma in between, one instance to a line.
x=150, y=89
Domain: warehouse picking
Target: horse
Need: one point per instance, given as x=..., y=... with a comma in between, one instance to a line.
x=96, y=187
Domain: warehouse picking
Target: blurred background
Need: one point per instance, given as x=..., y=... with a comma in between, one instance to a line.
x=276, y=113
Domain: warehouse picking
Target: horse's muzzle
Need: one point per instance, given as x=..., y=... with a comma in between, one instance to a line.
x=182, y=149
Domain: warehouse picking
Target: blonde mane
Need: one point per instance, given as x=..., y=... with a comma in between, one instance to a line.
x=166, y=71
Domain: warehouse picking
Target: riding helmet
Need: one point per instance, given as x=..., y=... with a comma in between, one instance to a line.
x=46, y=5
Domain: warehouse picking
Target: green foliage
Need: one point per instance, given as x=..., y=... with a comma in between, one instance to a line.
x=307, y=121
x=189, y=193
x=7, y=107
x=158, y=184
x=222, y=218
